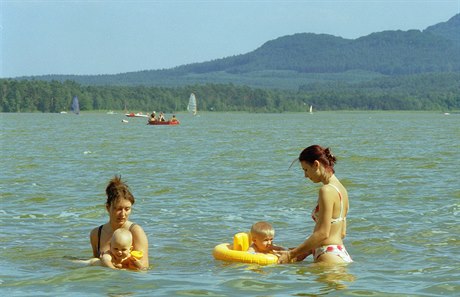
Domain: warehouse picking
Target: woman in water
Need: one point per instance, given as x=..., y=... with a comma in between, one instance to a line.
x=119, y=206
x=329, y=215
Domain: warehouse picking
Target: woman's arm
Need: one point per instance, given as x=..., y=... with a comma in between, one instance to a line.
x=321, y=231
x=93, y=239
x=141, y=243
x=344, y=228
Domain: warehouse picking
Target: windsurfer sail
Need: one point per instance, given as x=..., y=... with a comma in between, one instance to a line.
x=191, y=107
x=75, y=105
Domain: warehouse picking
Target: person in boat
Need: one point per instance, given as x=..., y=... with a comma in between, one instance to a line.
x=161, y=117
x=262, y=236
x=119, y=256
x=119, y=207
x=153, y=117
x=173, y=119
x=329, y=215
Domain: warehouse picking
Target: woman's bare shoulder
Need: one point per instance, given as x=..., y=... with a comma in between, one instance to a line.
x=94, y=231
x=136, y=229
x=326, y=190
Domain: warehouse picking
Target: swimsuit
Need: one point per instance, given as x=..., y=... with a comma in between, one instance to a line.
x=99, y=231
x=334, y=249
x=314, y=213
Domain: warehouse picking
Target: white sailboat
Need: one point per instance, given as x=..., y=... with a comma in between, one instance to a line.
x=75, y=105
x=191, y=107
x=311, y=109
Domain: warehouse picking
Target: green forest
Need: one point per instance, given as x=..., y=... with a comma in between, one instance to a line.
x=390, y=70
x=429, y=91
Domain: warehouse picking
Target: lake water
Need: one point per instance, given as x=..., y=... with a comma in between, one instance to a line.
x=198, y=183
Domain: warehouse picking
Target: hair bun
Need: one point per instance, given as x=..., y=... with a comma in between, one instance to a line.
x=332, y=159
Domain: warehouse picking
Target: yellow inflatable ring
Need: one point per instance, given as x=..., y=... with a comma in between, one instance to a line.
x=238, y=252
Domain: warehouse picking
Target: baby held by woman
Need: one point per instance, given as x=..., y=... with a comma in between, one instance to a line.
x=119, y=256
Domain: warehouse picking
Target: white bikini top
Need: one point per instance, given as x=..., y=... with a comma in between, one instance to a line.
x=314, y=213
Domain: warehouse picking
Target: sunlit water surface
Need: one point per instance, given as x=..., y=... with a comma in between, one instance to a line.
x=198, y=183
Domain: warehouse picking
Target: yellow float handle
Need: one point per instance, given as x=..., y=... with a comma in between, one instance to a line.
x=137, y=254
x=241, y=241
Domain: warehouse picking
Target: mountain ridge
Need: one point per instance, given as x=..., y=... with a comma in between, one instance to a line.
x=302, y=56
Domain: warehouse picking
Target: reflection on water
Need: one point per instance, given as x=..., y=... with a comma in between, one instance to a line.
x=334, y=277
x=331, y=277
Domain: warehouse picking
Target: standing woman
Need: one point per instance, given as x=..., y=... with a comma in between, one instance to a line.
x=119, y=206
x=325, y=243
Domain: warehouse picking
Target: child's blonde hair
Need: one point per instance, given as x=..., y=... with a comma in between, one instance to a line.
x=262, y=228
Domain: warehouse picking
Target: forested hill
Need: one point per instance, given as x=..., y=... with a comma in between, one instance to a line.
x=388, y=52
x=449, y=30
x=291, y=61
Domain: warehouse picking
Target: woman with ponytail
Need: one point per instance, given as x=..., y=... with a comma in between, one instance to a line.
x=329, y=215
x=119, y=206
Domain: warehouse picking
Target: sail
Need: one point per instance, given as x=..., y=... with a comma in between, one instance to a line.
x=311, y=108
x=75, y=105
x=191, y=107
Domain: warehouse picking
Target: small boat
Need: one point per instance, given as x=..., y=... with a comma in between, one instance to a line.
x=136, y=115
x=311, y=109
x=192, y=107
x=163, y=123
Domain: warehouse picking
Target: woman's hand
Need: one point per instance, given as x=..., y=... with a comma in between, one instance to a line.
x=284, y=257
x=302, y=257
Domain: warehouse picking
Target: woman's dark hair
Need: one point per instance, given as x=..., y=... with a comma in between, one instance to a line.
x=116, y=190
x=318, y=153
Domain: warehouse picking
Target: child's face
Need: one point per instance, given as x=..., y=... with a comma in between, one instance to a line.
x=120, y=249
x=263, y=243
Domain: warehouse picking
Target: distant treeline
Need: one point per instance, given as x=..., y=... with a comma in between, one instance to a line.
x=435, y=91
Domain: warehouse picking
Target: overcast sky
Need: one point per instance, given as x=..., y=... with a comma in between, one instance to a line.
x=107, y=37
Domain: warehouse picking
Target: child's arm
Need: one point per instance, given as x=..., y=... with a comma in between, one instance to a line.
x=136, y=263
x=278, y=248
x=106, y=260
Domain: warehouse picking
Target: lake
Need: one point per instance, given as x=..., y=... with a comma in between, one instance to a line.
x=198, y=183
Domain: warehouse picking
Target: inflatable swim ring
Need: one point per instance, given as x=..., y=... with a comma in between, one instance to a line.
x=238, y=252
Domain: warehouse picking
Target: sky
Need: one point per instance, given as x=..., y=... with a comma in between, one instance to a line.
x=89, y=37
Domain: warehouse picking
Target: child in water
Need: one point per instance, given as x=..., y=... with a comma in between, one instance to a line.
x=119, y=256
x=262, y=235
